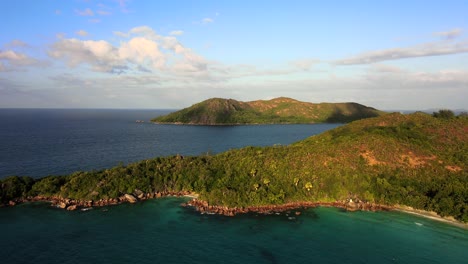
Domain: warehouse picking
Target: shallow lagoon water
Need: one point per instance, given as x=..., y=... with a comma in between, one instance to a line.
x=161, y=231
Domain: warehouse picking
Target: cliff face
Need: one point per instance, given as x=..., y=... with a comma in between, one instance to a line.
x=217, y=111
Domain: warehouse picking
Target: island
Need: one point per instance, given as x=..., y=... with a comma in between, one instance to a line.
x=391, y=161
x=282, y=110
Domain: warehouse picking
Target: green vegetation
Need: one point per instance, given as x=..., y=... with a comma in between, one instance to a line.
x=444, y=113
x=276, y=111
x=416, y=160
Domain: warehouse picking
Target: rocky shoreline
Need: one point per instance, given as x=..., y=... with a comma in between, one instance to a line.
x=348, y=204
x=203, y=207
x=73, y=204
x=351, y=204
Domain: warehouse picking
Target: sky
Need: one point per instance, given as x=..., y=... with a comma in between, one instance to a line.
x=391, y=55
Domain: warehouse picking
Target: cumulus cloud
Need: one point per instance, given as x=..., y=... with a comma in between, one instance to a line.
x=141, y=51
x=82, y=33
x=10, y=59
x=101, y=55
x=449, y=35
x=143, y=30
x=85, y=12
x=425, y=50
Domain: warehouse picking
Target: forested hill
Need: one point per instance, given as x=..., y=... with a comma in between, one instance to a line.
x=281, y=110
x=417, y=160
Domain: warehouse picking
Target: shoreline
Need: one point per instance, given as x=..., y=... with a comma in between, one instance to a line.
x=430, y=215
x=348, y=205
x=239, y=124
x=204, y=207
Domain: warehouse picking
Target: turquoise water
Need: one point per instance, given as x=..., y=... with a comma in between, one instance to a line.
x=161, y=231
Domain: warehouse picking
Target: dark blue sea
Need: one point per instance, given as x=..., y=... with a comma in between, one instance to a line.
x=54, y=142
x=41, y=142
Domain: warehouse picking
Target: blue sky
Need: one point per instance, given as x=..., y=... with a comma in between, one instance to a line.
x=408, y=55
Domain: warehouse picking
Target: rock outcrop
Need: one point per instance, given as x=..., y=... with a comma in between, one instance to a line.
x=130, y=198
x=349, y=205
x=72, y=207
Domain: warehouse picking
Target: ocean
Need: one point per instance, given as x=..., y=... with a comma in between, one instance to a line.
x=40, y=142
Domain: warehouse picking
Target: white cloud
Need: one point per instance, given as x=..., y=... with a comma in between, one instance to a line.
x=58, y=12
x=99, y=54
x=142, y=30
x=82, y=33
x=94, y=20
x=139, y=50
x=86, y=12
x=425, y=50
x=160, y=71
x=142, y=51
x=176, y=32
x=11, y=56
x=10, y=59
x=451, y=34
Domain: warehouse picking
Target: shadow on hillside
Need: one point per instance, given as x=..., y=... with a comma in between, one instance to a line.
x=352, y=113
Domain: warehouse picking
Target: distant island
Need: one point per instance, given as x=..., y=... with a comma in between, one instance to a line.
x=395, y=160
x=282, y=110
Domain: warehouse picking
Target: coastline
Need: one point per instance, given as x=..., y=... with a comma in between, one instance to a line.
x=204, y=207
x=240, y=124
x=430, y=215
x=348, y=205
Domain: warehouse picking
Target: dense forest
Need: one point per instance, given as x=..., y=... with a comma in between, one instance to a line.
x=282, y=110
x=419, y=160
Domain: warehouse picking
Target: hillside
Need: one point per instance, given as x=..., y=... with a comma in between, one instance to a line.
x=416, y=160
x=281, y=110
